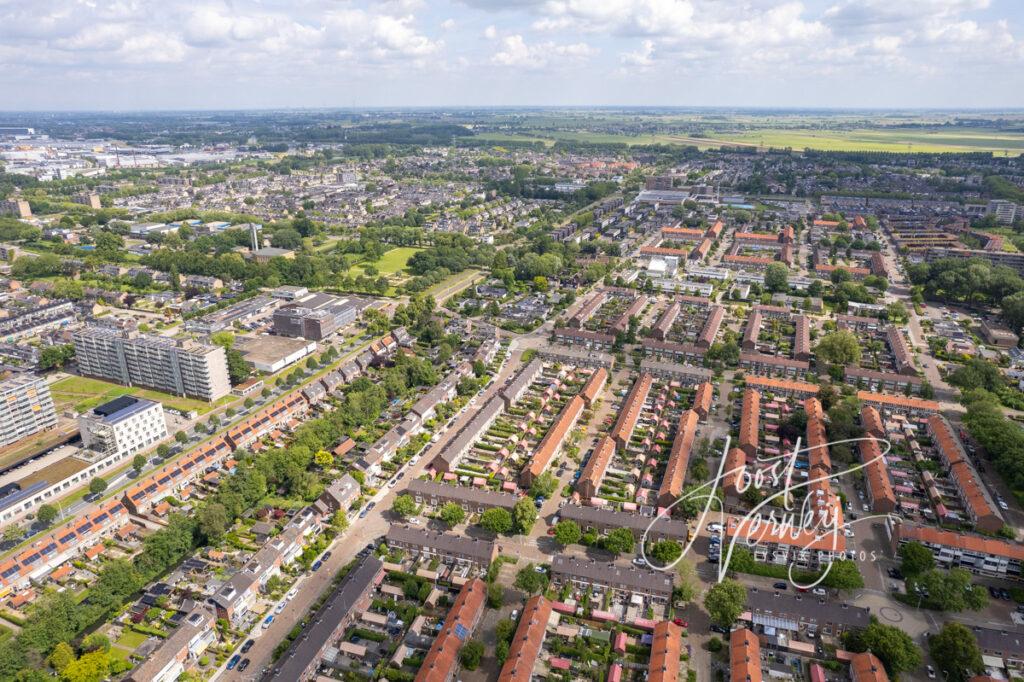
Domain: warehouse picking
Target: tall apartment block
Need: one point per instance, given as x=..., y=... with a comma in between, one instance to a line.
x=26, y=407
x=184, y=368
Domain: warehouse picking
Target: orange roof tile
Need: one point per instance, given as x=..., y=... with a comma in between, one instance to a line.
x=526, y=643
x=464, y=614
x=744, y=656
x=866, y=667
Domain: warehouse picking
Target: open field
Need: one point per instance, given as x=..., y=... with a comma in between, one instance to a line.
x=391, y=263
x=884, y=140
x=81, y=394
x=759, y=133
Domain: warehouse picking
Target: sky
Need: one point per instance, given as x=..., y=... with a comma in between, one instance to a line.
x=242, y=54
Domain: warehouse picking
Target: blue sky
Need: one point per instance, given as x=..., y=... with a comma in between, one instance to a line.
x=209, y=54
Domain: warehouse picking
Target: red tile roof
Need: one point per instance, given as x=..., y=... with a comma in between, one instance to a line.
x=665, y=650
x=744, y=656
x=678, y=459
x=527, y=641
x=866, y=667
x=465, y=613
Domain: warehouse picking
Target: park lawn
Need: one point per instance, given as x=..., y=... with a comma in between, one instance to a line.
x=83, y=393
x=394, y=261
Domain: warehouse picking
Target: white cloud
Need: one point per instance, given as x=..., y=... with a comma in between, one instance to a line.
x=491, y=32
x=515, y=52
x=448, y=24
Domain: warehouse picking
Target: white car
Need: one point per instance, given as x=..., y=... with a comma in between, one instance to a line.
x=848, y=532
x=1003, y=505
x=714, y=528
x=819, y=591
x=415, y=521
x=415, y=458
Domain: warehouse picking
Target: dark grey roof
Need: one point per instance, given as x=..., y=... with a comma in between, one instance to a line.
x=620, y=519
x=316, y=637
x=470, y=495
x=442, y=543
x=644, y=580
x=807, y=608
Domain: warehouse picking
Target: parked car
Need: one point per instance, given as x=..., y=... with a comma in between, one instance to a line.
x=680, y=622
x=244, y=664
x=248, y=645
x=326, y=556
x=931, y=673
x=781, y=585
x=719, y=629
x=819, y=591
x=316, y=565
x=714, y=528
x=267, y=621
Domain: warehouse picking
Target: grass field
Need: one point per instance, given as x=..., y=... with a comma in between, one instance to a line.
x=81, y=394
x=131, y=639
x=392, y=262
x=882, y=138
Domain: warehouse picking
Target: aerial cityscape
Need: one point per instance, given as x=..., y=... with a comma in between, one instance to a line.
x=652, y=340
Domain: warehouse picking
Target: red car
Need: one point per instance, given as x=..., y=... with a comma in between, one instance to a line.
x=680, y=622
x=551, y=531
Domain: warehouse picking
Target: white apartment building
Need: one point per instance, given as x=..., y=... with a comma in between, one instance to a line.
x=123, y=426
x=26, y=407
x=184, y=368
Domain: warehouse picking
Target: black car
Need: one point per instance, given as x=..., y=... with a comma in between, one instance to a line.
x=1004, y=594
x=993, y=592
x=248, y=645
x=326, y=556
x=781, y=586
x=719, y=629
x=244, y=664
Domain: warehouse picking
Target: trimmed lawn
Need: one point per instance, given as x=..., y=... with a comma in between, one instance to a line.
x=83, y=393
x=131, y=640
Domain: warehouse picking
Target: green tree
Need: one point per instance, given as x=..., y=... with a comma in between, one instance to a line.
x=666, y=551
x=91, y=667
x=55, y=357
x=405, y=506
x=915, y=559
x=452, y=514
x=97, y=485
x=213, y=521
x=497, y=520
x=524, y=515
x=138, y=463
x=949, y=590
x=687, y=581
x=618, y=541
x=471, y=655
x=163, y=450
x=567, y=533
x=956, y=650
x=839, y=348
x=181, y=437
x=894, y=647
x=323, y=459
x=725, y=602
x=530, y=580
x=776, y=278
x=544, y=485
x=46, y=514
x=95, y=642
x=61, y=656
x=495, y=596
x=844, y=575
x=340, y=521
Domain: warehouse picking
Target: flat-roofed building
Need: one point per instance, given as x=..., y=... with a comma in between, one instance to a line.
x=791, y=613
x=123, y=426
x=26, y=408
x=181, y=367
